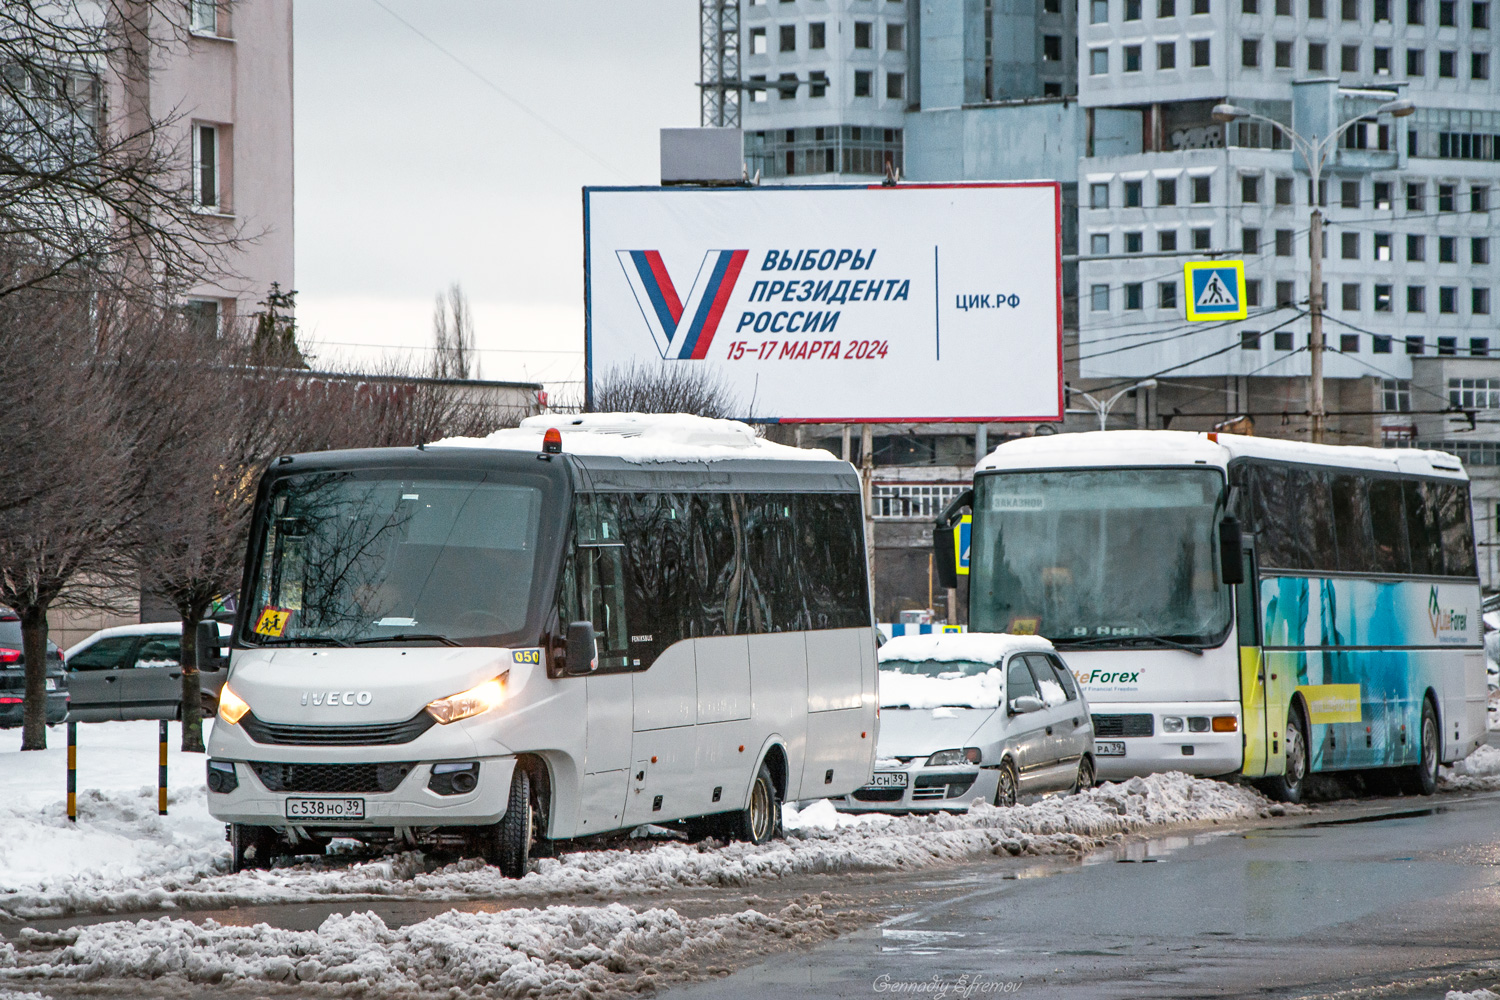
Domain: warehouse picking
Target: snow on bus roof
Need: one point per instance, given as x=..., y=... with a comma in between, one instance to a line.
x=979, y=647
x=1090, y=448
x=641, y=437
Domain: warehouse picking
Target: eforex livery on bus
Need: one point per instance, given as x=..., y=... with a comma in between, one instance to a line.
x=835, y=303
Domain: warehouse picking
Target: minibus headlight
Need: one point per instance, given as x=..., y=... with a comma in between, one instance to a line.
x=1171, y=723
x=478, y=699
x=947, y=758
x=232, y=707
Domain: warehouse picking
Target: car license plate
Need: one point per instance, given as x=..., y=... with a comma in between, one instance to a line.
x=887, y=779
x=1110, y=748
x=325, y=808
x=51, y=683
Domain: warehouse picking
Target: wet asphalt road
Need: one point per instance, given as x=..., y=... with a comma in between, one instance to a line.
x=1391, y=898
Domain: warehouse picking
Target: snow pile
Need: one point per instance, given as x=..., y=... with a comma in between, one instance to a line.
x=1480, y=771
x=556, y=951
x=816, y=843
x=921, y=691
x=981, y=647
x=640, y=438
x=1476, y=995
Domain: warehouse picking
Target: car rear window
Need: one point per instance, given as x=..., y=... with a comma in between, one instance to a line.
x=10, y=635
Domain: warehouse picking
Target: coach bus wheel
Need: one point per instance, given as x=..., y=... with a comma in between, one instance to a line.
x=1005, y=792
x=1289, y=787
x=507, y=844
x=252, y=846
x=761, y=819
x=1421, y=777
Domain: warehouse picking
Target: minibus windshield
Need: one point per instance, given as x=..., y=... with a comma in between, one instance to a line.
x=1100, y=556
x=349, y=559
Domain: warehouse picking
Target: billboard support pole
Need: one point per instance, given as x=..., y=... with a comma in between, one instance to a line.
x=867, y=487
x=846, y=443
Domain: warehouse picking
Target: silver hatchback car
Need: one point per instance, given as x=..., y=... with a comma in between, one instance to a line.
x=975, y=717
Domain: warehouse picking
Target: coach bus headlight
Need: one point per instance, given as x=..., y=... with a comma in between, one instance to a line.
x=1226, y=724
x=232, y=707
x=475, y=701
x=1171, y=723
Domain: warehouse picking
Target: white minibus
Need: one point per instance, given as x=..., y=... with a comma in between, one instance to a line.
x=578, y=626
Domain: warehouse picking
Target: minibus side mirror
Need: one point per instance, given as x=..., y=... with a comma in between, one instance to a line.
x=208, y=646
x=582, y=655
x=1025, y=703
x=942, y=557
x=1231, y=543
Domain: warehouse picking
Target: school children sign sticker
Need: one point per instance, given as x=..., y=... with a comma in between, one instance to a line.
x=835, y=303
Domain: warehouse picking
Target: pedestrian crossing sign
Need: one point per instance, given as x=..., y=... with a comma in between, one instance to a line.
x=961, y=544
x=1215, y=289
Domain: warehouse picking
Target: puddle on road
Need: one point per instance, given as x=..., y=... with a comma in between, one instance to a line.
x=1151, y=851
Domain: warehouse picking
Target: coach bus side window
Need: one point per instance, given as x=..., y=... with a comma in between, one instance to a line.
x=1422, y=529
x=1351, y=522
x=1388, y=526
x=831, y=559
x=1455, y=522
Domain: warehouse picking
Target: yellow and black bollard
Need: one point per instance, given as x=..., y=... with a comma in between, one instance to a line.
x=161, y=774
x=72, y=772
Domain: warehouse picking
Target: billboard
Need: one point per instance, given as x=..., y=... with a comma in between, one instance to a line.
x=836, y=303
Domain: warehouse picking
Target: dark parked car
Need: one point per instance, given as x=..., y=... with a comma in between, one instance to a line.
x=13, y=676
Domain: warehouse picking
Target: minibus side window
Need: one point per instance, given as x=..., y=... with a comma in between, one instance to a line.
x=593, y=580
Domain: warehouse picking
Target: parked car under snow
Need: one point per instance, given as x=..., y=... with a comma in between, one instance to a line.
x=971, y=718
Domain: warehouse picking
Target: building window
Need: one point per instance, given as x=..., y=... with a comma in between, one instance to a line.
x=1349, y=343
x=1382, y=61
x=1447, y=249
x=1349, y=10
x=1048, y=6
x=1416, y=345
x=1382, y=11
x=1416, y=298
x=1252, y=292
x=758, y=45
x=1416, y=12
x=895, y=37
x=1134, y=296
x=204, y=317
x=1250, y=52
x=1382, y=195
x=1380, y=344
x=1382, y=246
x=1098, y=196
x=1132, y=194
x=1132, y=10
x=1249, y=340
x=863, y=33
x=1479, y=301
x=1283, y=242
x=758, y=94
x=1447, y=65
x=1201, y=191
x=1349, y=59
x=1416, y=62
x=1134, y=242
x=817, y=35
x=1317, y=57
x=1447, y=197
x=1099, y=244
x=1447, y=13
x=1479, y=15
x=1283, y=8
x=1132, y=58
x=1052, y=48
x=1383, y=298
x=1098, y=61
x=1283, y=55
x=1166, y=295
x=1479, y=198
x=1099, y=12
x=1283, y=190
x=1474, y=393
x=895, y=86
x=1479, y=66
x=1249, y=6
x=788, y=92
x=1282, y=340
x=1166, y=191
x=862, y=83
x=206, y=166
x=1349, y=194
x=1351, y=298
x=1479, y=250
x=1200, y=6
x=1416, y=247
x=1249, y=241
x=817, y=84
x=1350, y=249
x=1416, y=194
x=205, y=21
x=1166, y=55
x=1166, y=241
x=788, y=38
x=1099, y=298
x=1200, y=52
x=1447, y=299
x=1166, y=8
x=1395, y=394
x=1250, y=189
x=1447, y=346
x=1201, y=238
x=1479, y=347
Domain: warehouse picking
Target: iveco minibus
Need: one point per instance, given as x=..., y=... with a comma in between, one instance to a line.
x=578, y=626
x=1236, y=604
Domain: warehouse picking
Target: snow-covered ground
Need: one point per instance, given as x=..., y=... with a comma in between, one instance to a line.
x=1480, y=771
x=122, y=858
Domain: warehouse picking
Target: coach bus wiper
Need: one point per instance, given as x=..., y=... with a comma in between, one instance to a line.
x=303, y=640
x=1124, y=640
x=408, y=637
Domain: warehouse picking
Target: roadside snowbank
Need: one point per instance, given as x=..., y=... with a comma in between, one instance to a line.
x=1478, y=772
x=556, y=951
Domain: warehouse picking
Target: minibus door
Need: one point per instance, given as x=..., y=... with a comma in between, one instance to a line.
x=1252, y=663
x=601, y=589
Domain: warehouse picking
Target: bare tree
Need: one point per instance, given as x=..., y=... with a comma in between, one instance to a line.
x=453, y=336
x=665, y=387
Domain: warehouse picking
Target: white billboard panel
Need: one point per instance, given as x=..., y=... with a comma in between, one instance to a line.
x=835, y=303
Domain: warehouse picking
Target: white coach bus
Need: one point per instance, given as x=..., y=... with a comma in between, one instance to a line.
x=1241, y=605
x=574, y=627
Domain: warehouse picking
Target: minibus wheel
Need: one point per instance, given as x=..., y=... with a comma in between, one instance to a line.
x=507, y=844
x=1421, y=777
x=252, y=847
x=759, y=821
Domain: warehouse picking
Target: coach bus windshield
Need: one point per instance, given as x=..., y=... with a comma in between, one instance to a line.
x=355, y=559
x=1099, y=556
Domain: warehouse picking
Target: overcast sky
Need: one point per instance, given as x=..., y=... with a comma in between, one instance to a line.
x=412, y=173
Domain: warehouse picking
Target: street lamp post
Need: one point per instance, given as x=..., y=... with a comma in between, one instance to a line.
x=1314, y=151
x=1102, y=409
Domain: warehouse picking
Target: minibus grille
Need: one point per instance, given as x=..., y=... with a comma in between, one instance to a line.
x=384, y=734
x=1123, y=725
x=331, y=777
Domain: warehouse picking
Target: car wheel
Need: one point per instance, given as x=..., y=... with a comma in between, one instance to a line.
x=252, y=847
x=507, y=844
x=1005, y=792
x=759, y=821
x=1085, y=775
x=1290, y=786
x=1421, y=777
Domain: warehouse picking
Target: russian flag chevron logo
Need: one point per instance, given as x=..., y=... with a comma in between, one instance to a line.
x=682, y=329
